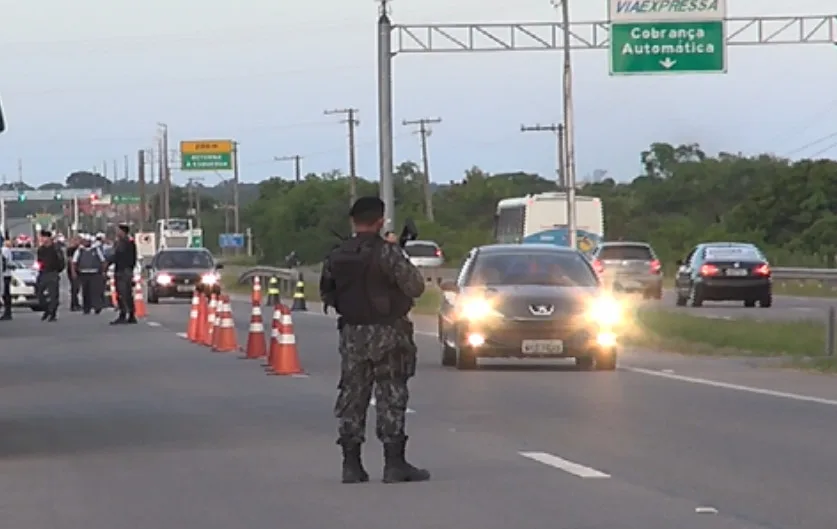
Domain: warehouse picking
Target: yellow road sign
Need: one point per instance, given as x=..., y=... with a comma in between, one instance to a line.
x=206, y=147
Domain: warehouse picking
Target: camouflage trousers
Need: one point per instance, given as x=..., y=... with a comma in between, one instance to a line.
x=374, y=358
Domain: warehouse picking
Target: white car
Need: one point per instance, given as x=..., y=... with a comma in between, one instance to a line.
x=425, y=254
x=23, y=289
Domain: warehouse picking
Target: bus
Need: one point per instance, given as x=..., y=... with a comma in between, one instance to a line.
x=543, y=219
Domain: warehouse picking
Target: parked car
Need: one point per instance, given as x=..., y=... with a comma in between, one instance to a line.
x=24, y=292
x=630, y=267
x=425, y=254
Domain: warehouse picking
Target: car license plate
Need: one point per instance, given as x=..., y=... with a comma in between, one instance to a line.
x=541, y=347
x=630, y=285
x=736, y=272
x=185, y=288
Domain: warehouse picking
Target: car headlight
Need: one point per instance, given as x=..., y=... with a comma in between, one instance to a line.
x=606, y=311
x=163, y=279
x=477, y=309
x=209, y=279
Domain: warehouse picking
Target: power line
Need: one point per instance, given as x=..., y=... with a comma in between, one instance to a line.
x=813, y=143
x=351, y=122
x=423, y=132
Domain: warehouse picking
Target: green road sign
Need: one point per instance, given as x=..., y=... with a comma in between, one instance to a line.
x=197, y=241
x=124, y=199
x=206, y=162
x=667, y=47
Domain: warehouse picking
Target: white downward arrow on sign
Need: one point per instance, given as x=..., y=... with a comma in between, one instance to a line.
x=667, y=63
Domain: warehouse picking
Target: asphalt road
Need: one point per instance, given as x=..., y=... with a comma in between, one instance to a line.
x=784, y=308
x=134, y=427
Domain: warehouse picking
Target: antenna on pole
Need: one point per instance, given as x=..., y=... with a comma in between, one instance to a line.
x=384, y=8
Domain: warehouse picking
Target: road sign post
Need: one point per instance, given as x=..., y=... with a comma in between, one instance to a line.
x=206, y=155
x=652, y=38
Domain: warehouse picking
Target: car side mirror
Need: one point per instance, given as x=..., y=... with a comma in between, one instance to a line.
x=449, y=286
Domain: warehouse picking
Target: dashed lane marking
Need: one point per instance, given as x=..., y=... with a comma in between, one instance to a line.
x=153, y=324
x=562, y=464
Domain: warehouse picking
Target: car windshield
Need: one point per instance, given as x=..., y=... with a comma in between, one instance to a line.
x=22, y=255
x=732, y=253
x=625, y=252
x=421, y=250
x=563, y=269
x=184, y=260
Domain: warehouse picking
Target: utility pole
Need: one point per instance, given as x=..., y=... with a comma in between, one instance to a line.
x=562, y=173
x=141, y=185
x=297, y=165
x=424, y=131
x=149, y=159
x=569, y=125
x=236, y=177
x=165, y=171
x=352, y=122
x=161, y=177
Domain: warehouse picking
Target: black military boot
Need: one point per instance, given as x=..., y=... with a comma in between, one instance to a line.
x=353, y=471
x=396, y=467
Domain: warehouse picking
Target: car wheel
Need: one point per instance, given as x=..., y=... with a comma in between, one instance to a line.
x=695, y=297
x=585, y=363
x=767, y=301
x=750, y=303
x=465, y=361
x=606, y=361
x=448, y=352
x=681, y=301
x=152, y=297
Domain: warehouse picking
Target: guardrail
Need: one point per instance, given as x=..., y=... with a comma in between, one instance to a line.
x=288, y=277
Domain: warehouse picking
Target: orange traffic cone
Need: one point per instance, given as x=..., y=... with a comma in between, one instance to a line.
x=256, y=347
x=114, y=298
x=140, y=310
x=224, y=339
x=211, y=316
x=193, y=327
x=286, y=360
x=276, y=321
x=256, y=297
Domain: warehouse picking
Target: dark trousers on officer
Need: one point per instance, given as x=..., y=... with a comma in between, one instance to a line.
x=7, y=298
x=91, y=284
x=48, y=283
x=124, y=293
x=75, y=291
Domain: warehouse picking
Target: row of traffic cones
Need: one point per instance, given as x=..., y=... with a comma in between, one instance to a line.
x=211, y=324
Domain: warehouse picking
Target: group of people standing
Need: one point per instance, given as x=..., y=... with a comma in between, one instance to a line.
x=86, y=261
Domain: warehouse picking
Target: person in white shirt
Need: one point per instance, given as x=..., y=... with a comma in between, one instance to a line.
x=7, y=280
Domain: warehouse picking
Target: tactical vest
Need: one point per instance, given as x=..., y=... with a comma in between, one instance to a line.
x=364, y=295
x=89, y=261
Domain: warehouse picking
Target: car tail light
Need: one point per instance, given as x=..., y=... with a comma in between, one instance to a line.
x=762, y=270
x=438, y=252
x=37, y=266
x=598, y=266
x=709, y=270
x=656, y=266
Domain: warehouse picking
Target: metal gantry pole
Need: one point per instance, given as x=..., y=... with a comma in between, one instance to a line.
x=569, y=131
x=385, y=157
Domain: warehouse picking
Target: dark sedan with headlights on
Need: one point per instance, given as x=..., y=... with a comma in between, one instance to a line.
x=178, y=272
x=528, y=301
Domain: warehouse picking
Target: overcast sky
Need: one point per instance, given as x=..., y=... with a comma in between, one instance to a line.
x=87, y=81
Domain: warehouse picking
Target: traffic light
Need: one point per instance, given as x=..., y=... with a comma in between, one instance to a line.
x=58, y=196
x=21, y=196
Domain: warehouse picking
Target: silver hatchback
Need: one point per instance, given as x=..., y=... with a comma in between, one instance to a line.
x=630, y=267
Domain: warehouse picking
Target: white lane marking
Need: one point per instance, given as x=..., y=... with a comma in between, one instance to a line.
x=153, y=324
x=183, y=335
x=706, y=510
x=372, y=402
x=562, y=464
x=734, y=387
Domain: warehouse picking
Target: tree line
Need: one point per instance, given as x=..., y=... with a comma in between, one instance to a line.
x=683, y=196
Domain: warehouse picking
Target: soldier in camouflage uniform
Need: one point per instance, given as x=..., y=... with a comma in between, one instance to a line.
x=371, y=284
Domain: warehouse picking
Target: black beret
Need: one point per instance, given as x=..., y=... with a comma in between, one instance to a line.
x=367, y=207
x=125, y=228
x=46, y=233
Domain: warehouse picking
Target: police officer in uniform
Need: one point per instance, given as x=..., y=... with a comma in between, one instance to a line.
x=124, y=259
x=49, y=277
x=87, y=265
x=7, y=279
x=75, y=286
x=371, y=284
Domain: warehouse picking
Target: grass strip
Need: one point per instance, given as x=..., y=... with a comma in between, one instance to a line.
x=685, y=333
